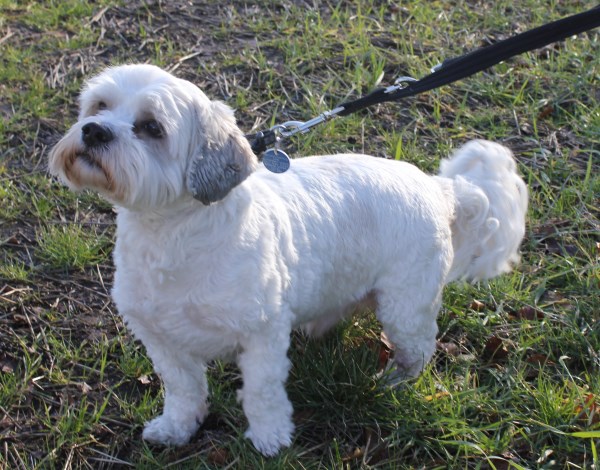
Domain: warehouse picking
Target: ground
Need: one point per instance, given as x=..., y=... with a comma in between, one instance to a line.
x=515, y=382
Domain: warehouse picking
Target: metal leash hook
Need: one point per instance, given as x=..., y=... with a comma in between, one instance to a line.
x=290, y=128
x=399, y=84
x=275, y=159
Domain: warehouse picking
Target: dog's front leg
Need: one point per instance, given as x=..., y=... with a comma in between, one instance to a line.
x=265, y=366
x=186, y=393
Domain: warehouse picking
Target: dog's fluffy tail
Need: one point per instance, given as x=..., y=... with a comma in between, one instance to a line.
x=490, y=204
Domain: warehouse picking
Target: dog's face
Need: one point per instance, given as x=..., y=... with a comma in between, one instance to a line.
x=145, y=139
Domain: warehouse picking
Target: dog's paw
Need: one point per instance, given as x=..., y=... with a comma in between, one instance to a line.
x=270, y=439
x=168, y=432
x=408, y=365
x=409, y=371
x=396, y=373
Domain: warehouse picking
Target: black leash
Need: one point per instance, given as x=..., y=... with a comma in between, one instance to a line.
x=450, y=71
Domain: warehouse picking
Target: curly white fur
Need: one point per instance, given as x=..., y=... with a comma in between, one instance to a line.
x=216, y=256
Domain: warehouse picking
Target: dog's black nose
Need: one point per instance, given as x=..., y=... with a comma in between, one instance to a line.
x=94, y=134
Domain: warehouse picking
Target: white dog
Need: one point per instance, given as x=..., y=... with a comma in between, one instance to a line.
x=216, y=256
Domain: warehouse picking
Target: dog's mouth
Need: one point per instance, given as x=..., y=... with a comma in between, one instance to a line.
x=87, y=169
x=89, y=160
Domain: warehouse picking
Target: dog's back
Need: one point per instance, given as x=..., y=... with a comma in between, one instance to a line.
x=357, y=220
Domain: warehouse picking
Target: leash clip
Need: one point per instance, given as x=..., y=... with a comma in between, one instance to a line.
x=275, y=159
x=290, y=128
x=399, y=84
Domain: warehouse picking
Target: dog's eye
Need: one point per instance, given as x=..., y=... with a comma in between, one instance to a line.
x=152, y=128
x=101, y=105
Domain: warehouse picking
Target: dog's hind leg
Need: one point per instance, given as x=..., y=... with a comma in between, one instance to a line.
x=407, y=307
x=410, y=324
x=265, y=366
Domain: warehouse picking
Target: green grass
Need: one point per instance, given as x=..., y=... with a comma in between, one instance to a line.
x=70, y=246
x=516, y=380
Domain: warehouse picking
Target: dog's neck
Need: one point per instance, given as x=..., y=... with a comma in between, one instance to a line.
x=187, y=210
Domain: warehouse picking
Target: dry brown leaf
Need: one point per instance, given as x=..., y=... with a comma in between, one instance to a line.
x=357, y=453
x=477, y=305
x=545, y=112
x=386, y=350
x=12, y=240
x=529, y=313
x=589, y=410
x=384, y=357
x=539, y=359
x=495, y=349
x=218, y=456
x=451, y=349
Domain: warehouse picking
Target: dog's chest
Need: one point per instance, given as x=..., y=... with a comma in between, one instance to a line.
x=174, y=286
x=160, y=298
x=157, y=278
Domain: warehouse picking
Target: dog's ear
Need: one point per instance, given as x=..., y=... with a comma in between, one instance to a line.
x=223, y=158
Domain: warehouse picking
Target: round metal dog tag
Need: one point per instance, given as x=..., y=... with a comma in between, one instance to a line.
x=276, y=161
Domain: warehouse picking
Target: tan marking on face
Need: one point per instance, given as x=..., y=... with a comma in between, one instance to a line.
x=83, y=169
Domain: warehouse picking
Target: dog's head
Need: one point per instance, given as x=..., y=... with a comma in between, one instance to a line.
x=145, y=139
